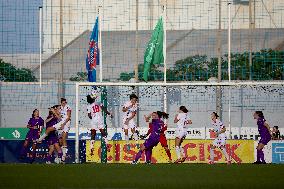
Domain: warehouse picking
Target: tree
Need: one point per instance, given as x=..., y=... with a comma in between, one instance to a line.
x=80, y=76
x=9, y=72
x=267, y=64
x=192, y=68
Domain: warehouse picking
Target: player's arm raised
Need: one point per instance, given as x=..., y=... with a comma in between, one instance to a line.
x=48, y=119
x=106, y=111
x=90, y=115
x=147, y=117
x=176, y=118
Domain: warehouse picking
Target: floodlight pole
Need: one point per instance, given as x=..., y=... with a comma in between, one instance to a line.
x=61, y=88
x=218, y=88
x=40, y=55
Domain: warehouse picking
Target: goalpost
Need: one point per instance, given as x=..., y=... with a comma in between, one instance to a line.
x=198, y=96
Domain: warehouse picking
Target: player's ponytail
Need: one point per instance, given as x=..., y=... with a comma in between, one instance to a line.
x=183, y=109
x=162, y=115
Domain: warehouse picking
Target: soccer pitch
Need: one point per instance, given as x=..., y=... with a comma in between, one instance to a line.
x=76, y=176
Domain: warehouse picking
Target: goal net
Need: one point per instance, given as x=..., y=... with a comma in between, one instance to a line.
x=234, y=101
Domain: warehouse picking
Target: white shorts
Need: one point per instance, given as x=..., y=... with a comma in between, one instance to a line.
x=180, y=133
x=131, y=124
x=66, y=128
x=219, y=141
x=57, y=126
x=97, y=124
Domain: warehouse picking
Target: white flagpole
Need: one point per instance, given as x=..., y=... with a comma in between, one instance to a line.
x=165, y=42
x=165, y=56
x=100, y=44
x=229, y=65
x=77, y=125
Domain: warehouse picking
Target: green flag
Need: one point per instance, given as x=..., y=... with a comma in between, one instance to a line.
x=154, y=51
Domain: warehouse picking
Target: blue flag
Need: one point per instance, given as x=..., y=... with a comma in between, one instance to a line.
x=93, y=55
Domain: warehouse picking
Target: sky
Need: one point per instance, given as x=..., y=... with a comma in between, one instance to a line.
x=19, y=25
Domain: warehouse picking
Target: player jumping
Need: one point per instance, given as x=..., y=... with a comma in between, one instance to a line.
x=182, y=120
x=57, y=126
x=97, y=123
x=154, y=137
x=130, y=110
x=65, y=112
x=163, y=140
x=52, y=138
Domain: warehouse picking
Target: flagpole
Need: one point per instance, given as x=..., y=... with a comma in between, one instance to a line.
x=165, y=43
x=100, y=45
x=165, y=56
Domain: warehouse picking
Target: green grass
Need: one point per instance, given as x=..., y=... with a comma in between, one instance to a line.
x=141, y=176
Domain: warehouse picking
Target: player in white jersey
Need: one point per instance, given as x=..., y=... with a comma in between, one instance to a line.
x=130, y=110
x=220, y=140
x=94, y=110
x=65, y=112
x=182, y=120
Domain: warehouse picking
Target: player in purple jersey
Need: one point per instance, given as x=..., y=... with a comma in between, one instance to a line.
x=58, y=126
x=154, y=137
x=35, y=125
x=265, y=136
x=52, y=138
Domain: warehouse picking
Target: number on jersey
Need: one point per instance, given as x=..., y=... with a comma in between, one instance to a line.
x=96, y=109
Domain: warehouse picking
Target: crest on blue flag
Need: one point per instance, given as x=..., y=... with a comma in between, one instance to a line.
x=93, y=55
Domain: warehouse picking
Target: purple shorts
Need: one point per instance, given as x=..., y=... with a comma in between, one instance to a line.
x=32, y=135
x=52, y=140
x=152, y=142
x=264, y=140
